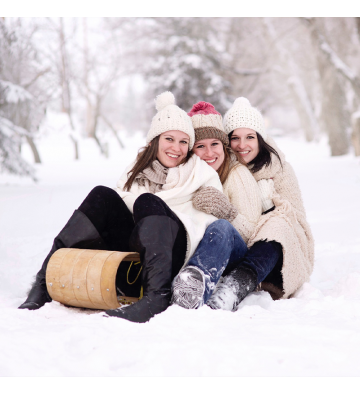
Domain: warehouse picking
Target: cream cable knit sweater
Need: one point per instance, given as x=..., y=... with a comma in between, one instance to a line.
x=177, y=192
x=287, y=225
x=243, y=192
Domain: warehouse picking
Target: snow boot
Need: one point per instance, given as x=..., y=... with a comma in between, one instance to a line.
x=153, y=237
x=79, y=232
x=188, y=288
x=233, y=288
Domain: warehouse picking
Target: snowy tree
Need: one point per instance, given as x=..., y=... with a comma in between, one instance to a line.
x=337, y=78
x=61, y=40
x=302, y=73
x=10, y=134
x=292, y=72
x=184, y=56
x=99, y=67
x=16, y=106
x=21, y=68
x=246, y=60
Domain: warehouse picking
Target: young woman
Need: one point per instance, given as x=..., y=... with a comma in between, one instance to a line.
x=224, y=242
x=151, y=212
x=281, y=253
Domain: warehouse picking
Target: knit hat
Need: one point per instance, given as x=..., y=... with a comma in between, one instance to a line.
x=170, y=117
x=207, y=122
x=243, y=115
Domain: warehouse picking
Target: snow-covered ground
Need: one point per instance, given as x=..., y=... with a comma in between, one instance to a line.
x=316, y=333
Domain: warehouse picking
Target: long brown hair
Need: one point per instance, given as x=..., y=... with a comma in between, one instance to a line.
x=263, y=158
x=224, y=169
x=144, y=159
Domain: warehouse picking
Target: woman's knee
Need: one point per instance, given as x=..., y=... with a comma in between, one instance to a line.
x=100, y=201
x=269, y=248
x=147, y=198
x=149, y=204
x=102, y=192
x=223, y=233
x=221, y=227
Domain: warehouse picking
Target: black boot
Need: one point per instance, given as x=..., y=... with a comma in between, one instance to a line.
x=79, y=232
x=233, y=288
x=153, y=237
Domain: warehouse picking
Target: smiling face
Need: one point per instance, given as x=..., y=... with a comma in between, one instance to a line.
x=211, y=151
x=245, y=143
x=173, y=148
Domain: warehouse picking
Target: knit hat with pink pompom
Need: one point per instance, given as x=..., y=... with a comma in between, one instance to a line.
x=207, y=122
x=170, y=117
x=243, y=115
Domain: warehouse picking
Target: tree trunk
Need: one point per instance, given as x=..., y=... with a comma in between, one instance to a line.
x=333, y=112
x=304, y=109
x=65, y=87
x=355, y=136
x=33, y=149
x=300, y=97
x=89, y=120
x=92, y=117
x=76, y=146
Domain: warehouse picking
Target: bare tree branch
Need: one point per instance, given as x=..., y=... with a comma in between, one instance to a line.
x=113, y=130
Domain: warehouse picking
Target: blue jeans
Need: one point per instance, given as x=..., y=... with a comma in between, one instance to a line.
x=221, y=247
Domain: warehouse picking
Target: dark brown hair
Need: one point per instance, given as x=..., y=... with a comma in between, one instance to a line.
x=144, y=159
x=263, y=158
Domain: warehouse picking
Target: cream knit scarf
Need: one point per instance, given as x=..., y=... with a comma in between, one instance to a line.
x=153, y=177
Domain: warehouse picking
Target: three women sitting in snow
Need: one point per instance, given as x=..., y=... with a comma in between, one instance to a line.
x=213, y=208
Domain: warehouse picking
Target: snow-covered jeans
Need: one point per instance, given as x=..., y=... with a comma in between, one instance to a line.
x=221, y=248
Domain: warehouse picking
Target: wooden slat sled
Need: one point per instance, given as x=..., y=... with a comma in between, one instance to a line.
x=86, y=278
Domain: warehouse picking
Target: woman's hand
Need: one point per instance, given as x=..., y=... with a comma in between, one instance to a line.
x=211, y=201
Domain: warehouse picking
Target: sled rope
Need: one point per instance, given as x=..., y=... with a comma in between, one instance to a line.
x=127, y=276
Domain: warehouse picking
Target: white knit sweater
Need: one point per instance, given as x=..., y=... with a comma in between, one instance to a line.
x=181, y=184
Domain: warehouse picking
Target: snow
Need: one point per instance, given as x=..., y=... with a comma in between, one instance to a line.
x=316, y=333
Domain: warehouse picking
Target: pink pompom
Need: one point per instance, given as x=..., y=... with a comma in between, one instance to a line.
x=202, y=107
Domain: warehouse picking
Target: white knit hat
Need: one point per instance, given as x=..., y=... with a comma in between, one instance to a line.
x=243, y=115
x=170, y=117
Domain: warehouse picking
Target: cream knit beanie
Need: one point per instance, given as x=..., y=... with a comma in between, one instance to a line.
x=170, y=117
x=207, y=122
x=243, y=115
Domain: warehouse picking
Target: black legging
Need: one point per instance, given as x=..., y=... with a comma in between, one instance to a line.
x=115, y=223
